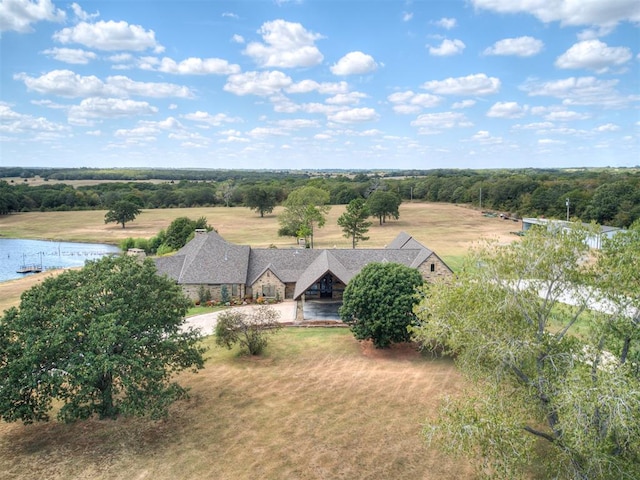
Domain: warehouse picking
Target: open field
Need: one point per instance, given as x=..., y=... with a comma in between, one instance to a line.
x=448, y=230
x=318, y=406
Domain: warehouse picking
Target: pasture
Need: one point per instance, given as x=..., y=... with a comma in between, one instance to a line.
x=318, y=405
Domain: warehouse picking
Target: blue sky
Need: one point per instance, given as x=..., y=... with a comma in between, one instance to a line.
x=320, y=84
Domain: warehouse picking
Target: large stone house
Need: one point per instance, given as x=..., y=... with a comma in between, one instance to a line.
x=211, y=262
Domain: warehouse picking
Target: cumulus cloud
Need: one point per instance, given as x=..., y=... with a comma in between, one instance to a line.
x=325, y=88
x=354, y=115
x=446, y=23
x=351, y=98
x=463, y=104
x=581, y=91
x=409, y=102
x=478, y=84
x=607, y=127
x=257, y=83
x=191, y=66
x=19, y=15
x=75, y=56
x=447, y=48
x=12, y=122
x=92, y=109
x=286, y=45
x=110, y=36
x=485, y=138
x=568, y=12
x=430, y=123
x=237, y=38
x=213, y=120
x=520, y=46
x=507, y=110
x=80, y=14
x=66, y=83
x=558, y=113
x=593, y=55
x=354, y=63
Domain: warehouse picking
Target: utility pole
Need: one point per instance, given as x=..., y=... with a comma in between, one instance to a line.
x=567, y=203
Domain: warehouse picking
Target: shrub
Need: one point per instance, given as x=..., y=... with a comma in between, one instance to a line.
x=248, y=329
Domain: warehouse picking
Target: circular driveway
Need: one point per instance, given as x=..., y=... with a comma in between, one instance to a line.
x=206, y=322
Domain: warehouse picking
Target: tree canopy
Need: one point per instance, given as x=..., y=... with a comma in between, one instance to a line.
x=262, y=199
x=250, y=330
x=354, y=221
x=305, y=208
x=547, y=362
x=378, y=303
x=104, y=340
x=122, y=211
x=383, y=204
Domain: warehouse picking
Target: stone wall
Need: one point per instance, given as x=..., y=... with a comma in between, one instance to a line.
x=433, y=268
x=268, y=279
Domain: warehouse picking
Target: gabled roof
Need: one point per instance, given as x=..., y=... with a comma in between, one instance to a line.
x=207, y=259
x=325, y=262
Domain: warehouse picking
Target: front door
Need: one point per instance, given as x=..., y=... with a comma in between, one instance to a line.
x=326, y=286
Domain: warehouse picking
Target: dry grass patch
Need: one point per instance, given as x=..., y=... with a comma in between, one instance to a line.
x=318, y=406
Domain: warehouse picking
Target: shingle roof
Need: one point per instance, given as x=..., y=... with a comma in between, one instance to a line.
x=209, y=259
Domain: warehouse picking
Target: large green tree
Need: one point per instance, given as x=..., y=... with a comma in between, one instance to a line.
x=182, y=229
x=305, y=209
x=104, y=340
x=122, y=211
x=383, y=204
x=262, y=199
x=549, y=383
x=354, y=221
x=378, y=303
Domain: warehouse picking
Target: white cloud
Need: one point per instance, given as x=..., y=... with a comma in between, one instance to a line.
x=75, y=56
x=191, y=66
x=237, y=39
x=447, y=48
x=230, y=15
x=18, y=15
x=607, y=127
x=351, y=98
x=12, y=122
x=558, y=113
x=521, y=47
x=463, y=104
x=478, y=84
x=355, y=115
x=324, y=88
x=91, y=109
x=485, y=138
x=286, y=45
x=257, y=83
x=110, y=36
x=549, y=141
x=446, y=23
x=81, y=14
x=354, y=63
x=430, y=123
x=593, y=55
x=568, y=12
x=406, y=16
x=581, y=91
x=66, y=83
x=409, y=102
x=507, y=110
x=120, y=58
x=213, y=120
x=297, y=123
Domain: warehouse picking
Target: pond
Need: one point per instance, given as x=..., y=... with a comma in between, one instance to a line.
x=15, y=254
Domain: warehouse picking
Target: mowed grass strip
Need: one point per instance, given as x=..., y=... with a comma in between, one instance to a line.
x=318, y=405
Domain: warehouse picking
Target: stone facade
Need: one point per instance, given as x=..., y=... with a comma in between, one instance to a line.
x=267, y=285
x=433, y=268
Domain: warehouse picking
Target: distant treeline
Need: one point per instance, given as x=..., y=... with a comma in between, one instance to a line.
x=606, y=195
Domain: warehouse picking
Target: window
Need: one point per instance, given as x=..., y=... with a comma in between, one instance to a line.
x=234, y=290
x=268, y=291
x=433, y=267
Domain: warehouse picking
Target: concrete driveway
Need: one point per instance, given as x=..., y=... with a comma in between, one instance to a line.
x=206, y=322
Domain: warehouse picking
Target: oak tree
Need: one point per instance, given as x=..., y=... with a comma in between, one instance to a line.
x=540, y=328
x=104, y=340
x=378, y=303
x=122, y=211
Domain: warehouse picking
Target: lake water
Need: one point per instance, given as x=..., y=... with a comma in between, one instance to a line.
x=14, y=253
